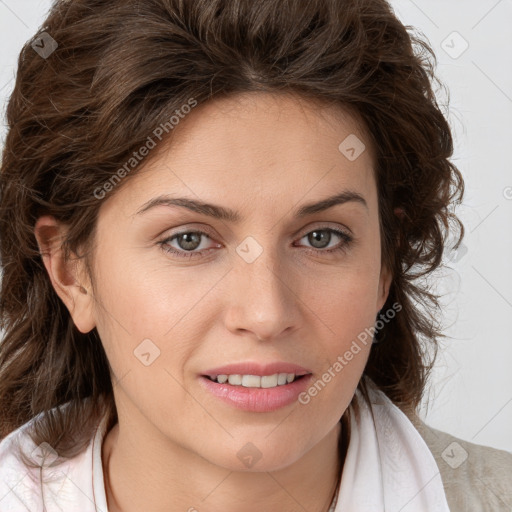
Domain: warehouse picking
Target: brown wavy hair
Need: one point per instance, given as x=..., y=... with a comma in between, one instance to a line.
x=120, y=69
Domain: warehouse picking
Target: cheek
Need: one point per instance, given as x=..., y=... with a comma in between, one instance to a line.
x=344, y=312
x=136, y=299
x=147, y=330
x=346, y=309
x=149, y=315
x=346, y=300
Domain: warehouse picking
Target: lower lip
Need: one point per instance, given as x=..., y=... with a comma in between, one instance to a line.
x=257, y=399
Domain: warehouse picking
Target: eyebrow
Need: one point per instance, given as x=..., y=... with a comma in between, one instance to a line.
x=226, y=214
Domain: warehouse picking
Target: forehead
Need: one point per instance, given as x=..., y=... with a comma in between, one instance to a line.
x=271, y=145
x=249, y=116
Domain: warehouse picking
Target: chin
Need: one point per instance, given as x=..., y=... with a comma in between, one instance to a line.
x=257, y=456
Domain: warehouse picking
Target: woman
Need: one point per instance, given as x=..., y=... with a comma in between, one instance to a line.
x=213, y=216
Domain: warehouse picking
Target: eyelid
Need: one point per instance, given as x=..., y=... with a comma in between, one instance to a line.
x=187, y=228
x=325, y=225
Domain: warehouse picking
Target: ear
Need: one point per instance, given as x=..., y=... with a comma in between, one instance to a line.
x=68, y=277
x=384, y=286
x=386, y=276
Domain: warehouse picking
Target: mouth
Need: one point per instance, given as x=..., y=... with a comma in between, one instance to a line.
x=256, y=393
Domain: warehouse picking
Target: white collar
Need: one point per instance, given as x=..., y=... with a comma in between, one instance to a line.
x=388, y=466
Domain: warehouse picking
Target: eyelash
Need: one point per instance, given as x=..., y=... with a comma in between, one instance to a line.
x=342, y=247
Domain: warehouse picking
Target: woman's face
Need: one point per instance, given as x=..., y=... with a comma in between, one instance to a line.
x=269, y=287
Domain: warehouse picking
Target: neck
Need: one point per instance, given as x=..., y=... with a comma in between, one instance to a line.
x=181, y=480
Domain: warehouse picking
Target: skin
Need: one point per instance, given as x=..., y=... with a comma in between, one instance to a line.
x=262, y=155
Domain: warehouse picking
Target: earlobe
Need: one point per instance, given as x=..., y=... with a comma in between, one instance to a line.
x=65, y=275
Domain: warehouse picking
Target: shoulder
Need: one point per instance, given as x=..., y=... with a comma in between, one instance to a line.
x=52, y=484
x=18, y=483
x=476, y=478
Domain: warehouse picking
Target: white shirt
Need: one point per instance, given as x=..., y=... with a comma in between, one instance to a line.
x=75, y=485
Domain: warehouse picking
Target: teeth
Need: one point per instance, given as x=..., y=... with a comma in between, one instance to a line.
x=282, y=378
x=255, y=381
x=235, y=380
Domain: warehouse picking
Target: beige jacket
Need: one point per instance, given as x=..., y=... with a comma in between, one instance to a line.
x=476, y=478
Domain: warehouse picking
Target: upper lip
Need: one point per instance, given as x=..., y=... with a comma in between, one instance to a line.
x=253, y=368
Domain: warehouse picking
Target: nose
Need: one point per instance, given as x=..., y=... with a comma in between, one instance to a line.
x=263, y=301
